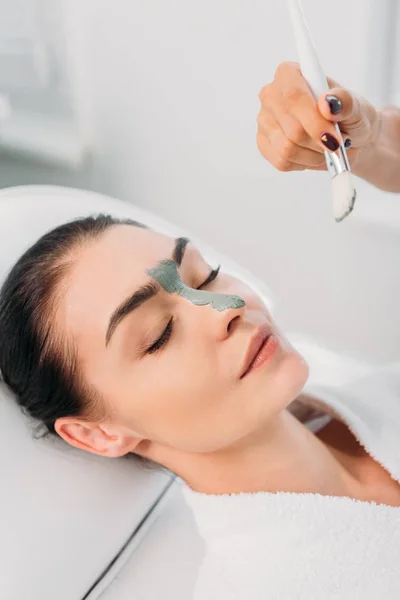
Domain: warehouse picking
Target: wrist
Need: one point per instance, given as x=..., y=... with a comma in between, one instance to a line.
x=368, y=155
x=378, y=163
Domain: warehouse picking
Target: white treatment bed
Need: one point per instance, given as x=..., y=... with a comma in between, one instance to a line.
x=77, y=527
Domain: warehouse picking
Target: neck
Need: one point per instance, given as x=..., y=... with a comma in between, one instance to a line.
x=288, y=457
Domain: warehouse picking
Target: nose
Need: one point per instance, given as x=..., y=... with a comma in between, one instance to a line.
x=207, y=320
x=226, y=321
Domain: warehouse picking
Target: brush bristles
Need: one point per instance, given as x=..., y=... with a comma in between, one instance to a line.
x=344, y=195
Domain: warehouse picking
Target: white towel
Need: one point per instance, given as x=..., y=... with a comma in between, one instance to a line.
x=290, y=546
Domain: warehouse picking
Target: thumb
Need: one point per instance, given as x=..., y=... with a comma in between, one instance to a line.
x=340, y=106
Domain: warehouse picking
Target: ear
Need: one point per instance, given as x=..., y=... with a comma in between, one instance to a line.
x=99, y=438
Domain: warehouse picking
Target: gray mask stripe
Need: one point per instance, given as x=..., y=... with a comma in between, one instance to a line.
x=166, y=274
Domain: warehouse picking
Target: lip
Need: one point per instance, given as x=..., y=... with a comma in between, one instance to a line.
x=262, y=333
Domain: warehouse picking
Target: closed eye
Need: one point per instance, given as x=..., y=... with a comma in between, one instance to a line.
x=213, y=275
x=162, y=340
x=166, y=334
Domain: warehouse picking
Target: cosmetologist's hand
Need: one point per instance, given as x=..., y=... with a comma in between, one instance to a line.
x=294, y=129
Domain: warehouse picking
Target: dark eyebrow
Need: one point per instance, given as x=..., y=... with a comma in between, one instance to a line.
x=144, y=293
x=179, y=250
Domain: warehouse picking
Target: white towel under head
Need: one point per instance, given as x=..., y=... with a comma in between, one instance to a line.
x=291, y=546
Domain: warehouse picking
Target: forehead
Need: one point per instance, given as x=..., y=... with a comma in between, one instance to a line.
x=122, y=252
x=121, y=245
x=106, y=270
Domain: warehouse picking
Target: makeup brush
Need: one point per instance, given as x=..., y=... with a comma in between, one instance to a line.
x=344, y=193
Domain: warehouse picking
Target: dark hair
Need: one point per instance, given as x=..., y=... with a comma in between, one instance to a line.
x=40, y=367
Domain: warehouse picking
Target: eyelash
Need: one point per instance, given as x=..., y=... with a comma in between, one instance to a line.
x=166, y=334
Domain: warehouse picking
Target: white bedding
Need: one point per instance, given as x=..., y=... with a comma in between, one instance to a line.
x=309, y=546
x=166, y=563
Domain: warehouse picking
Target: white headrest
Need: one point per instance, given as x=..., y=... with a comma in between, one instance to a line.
x=65, y=514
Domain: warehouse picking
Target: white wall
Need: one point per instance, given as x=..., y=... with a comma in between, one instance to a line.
x=174, y=92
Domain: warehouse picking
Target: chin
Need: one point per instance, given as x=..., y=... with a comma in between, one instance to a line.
x=294, y=374
x=284, y=379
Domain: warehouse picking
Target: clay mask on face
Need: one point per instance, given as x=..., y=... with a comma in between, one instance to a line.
x=166, y=274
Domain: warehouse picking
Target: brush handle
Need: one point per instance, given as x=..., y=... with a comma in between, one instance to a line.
x=309, y=62
x=312, y=71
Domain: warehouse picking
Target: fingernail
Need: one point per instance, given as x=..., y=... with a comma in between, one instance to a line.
x=330, y=142
x=335, y=105
x=348, y=143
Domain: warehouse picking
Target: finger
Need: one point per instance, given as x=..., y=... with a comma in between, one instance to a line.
x=332, y=83
x=290, y=125
x=279, y=162
x=274, y=103
x=303, y=107
x=339, y=105
x=284, y=141
x=288, y=76
x=282, y=156
x=301, y=104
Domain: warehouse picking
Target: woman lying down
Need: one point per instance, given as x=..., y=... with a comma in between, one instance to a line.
x=122, y=340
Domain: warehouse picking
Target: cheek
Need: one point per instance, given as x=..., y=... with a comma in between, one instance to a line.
x=167, y=407
x=233, y=285
x=253, y=301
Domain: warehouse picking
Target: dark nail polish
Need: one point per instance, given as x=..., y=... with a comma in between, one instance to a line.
x=335, y=105
x=330, y=142
x=348, y=143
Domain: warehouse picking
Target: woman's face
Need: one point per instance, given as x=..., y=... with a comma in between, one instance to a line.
x=170, y=370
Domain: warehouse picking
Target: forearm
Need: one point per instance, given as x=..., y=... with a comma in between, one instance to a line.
x=380, y=163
